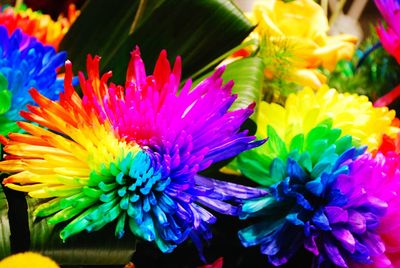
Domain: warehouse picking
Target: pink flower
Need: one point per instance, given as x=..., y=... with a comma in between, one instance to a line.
x=390, y=37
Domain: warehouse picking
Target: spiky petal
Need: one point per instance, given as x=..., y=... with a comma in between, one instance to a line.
x=38, y=25
x=25, y=63
x=390, y=37
x=132, y=154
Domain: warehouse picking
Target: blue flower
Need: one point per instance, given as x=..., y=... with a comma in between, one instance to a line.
x=316, y=203
x=25, y=63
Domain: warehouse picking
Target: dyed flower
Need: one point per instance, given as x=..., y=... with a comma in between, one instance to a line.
x=391, y=144
x=131, y=155
x=390, y=37
x=25, y=63
x=315, y=200
x=27, y=259
x=353, y=114
x=38, y=25
x=302, y=26
x=380, y=175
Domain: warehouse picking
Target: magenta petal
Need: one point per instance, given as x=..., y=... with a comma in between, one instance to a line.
x=311, y=245
x=345, y=237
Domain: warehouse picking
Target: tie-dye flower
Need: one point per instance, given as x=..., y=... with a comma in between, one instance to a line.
x=38, y=25
x=132, y=154
x=25, y=63
x=380, y=175
x=317, y=198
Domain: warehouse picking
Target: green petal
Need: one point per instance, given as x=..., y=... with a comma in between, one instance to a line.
x=5, y=100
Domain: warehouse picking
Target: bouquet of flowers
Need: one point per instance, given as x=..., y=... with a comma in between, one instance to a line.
x=189, y=134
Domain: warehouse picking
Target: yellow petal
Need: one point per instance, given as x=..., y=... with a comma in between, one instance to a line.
x=307, y=77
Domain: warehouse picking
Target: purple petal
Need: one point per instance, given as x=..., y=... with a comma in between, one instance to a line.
x=334, y=254
x=336, y=214
x=218, y=205
x=311, y=245
x=357, y=222
x=374, y=243
x=345, y=237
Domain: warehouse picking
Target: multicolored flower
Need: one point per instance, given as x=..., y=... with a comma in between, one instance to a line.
x=25, y=63
x=390, y=37
x=353, y=114
x=132, y=154
x=315, y=201
x=38, y=25
x=380, y=175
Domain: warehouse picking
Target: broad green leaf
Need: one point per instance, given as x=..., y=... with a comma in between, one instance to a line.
x=248, y=76
x=5, y=232
x=97, y=248
x=199, y=31
x=99, y=30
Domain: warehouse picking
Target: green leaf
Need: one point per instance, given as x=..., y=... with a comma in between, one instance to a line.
x=5, y=232
x=199, y=31
x=248, y=76
x=100, y=29
x=97, y=248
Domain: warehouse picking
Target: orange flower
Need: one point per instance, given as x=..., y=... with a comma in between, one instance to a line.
x=39, y=25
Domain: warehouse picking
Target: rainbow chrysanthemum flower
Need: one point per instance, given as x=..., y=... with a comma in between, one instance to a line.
x=36, y=24
x=132, y=154
x=315, y=200
x=390, y=37
x=380, y=175
x=25, y=63
x=352, y=113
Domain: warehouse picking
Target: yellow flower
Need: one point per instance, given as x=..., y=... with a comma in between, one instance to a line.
x=307, y=77
x=352, y=113
x=303, y=26
x=28, y=260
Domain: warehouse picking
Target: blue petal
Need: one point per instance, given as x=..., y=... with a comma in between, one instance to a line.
x=315, y=186
x=295, y=171
x=320, y=220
